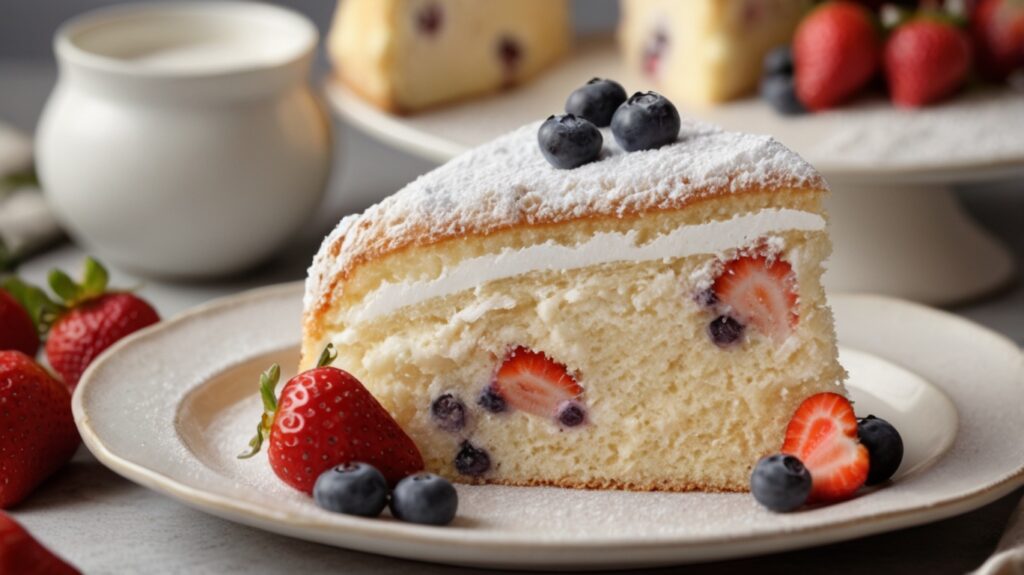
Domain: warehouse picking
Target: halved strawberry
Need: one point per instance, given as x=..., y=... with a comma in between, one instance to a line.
x=760, y=291
x=823, y=435
x=532, y=382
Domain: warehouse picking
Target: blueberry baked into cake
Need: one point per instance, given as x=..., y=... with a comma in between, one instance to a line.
x=628, y=307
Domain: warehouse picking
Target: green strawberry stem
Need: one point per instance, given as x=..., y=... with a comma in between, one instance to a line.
x=268, y=385
x=94, y=283
x=43, y=310
x=327, y=356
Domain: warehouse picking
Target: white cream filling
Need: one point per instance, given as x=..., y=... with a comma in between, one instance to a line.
x=705, y=238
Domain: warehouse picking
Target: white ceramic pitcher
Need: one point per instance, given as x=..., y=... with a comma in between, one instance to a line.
x=183, y=139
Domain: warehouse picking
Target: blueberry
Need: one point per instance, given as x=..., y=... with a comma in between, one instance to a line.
x=778, y=62
x=885, y=448
x=780, y=93
x=429, y=19
x=569, y=142
x=424, y=498
x=571, y=414
x=448, y=412
x=492, y=401
x=647, y=120
x=725, y=331
x=471, y=460
x=707, y=298
x=780, y=482
x=353, y=489
x=510, y=53
x=596, y=101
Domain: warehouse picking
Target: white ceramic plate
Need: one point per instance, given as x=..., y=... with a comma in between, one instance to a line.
x=971, y=137
x=170, y=408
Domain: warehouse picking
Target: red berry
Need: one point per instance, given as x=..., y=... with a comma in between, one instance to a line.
x=836, y=52
x=92, y=326
x=18, y=333
x=925, y=61
x=325, y=417
x=532, y=382
x=823, y=435
x=997, y=29
x=761, y=292
x=37, y=428
x=86, y=321
x=21, y=554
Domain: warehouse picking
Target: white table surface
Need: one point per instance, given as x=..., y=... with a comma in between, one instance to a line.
x=105, y=524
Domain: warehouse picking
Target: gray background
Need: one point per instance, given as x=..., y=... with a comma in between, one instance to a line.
x=27, y=26
x=105, y=524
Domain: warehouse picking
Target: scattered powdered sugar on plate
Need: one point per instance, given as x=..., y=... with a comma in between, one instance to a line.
x=507, y=182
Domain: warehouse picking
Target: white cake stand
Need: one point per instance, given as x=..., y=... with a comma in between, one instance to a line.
x=896, y=225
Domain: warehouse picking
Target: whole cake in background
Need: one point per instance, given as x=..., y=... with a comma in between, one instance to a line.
x=705, y=51
x=801, y=56
x=552, y=309
x=407, y=55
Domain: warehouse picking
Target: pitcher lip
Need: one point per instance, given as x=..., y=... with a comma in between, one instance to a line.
x=68, y=39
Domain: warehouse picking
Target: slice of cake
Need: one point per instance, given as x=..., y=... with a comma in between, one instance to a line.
x=649, y=320
x=705, y=51
x=406, y=55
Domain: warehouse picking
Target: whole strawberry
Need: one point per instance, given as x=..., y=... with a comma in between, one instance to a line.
x=926, y=60
x=38, y=431
x=324, y=418
x=20, y=553
x=836, y=53
x=90, y=320
x=18, y=332
x=997, y=29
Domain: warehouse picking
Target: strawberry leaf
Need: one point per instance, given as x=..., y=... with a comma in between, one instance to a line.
x=95, y=278
x=43, y=310
x=65, y=287
x=268, y=382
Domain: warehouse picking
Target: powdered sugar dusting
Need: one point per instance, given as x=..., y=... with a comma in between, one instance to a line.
x=507, y=183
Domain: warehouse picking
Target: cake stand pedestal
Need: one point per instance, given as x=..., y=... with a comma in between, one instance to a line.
x=897, y=228
x=915, y=242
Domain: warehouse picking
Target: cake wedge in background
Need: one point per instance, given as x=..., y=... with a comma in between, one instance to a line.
x=407, y=55
x=705, y=51
x=648, y=321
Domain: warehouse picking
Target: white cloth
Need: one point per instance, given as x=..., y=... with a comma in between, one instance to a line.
x=1009, y=556
x=26, y=222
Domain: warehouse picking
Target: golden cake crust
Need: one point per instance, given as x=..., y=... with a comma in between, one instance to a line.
x=507, y=185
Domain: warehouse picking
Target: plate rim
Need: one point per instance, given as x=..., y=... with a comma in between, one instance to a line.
x=707, y=548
